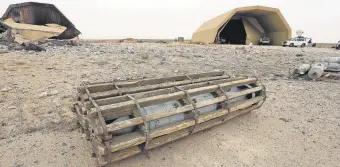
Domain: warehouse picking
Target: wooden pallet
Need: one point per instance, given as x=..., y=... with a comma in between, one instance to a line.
x=127, y=98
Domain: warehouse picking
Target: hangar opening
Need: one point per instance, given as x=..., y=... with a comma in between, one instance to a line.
x=233, y=33
x=245, y=25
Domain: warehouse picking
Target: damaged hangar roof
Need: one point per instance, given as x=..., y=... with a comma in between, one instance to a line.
x=41, y=14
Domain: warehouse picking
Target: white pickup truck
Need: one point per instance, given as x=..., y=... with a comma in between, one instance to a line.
x=297, y=41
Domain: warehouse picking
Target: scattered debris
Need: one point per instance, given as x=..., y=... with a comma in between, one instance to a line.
x=31, y=12
x=299, y=54
x=284, y=119
x=251, y=45
x=43, y=94
x=32, y=46
x=328, y=67
x=316, y=71
x=49, y=43
x=54, y=92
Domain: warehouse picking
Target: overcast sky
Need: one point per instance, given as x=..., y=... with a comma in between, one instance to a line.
x=162, y=19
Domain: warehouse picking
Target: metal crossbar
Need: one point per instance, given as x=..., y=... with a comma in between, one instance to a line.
x=194, y=111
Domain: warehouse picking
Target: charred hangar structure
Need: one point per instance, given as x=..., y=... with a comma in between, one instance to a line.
x=39, y=14
x=244, y=25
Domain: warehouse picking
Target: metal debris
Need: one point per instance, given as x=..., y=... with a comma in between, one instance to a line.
x=328, y=67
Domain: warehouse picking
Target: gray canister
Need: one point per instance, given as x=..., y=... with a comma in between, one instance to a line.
x=160, y=108
x=316, y=71
x=331, y=59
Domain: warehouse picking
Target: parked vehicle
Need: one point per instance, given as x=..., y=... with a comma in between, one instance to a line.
x=297, y=41
x=264, y=40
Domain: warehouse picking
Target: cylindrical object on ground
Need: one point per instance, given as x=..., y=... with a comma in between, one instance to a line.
x=125, y=130
x=161, y=108
x=172, y=105
x=206, y=109
x=316, y=71
x=304, y=68
x=331, y=59
x=333, y=66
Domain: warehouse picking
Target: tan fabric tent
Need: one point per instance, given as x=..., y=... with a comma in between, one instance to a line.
x=256, y=20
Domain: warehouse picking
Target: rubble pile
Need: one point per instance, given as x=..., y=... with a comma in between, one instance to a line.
x=22, y=27
x=327, y=68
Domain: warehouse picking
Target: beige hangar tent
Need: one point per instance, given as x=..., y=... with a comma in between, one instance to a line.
x=244, y=25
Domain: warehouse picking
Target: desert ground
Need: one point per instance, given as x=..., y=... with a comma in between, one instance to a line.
x=298, y=125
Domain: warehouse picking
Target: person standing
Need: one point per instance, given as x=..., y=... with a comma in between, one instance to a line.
x=309, y=43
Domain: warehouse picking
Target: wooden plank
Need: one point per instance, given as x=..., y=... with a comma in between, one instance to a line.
x=168, y=138
x=208, y=124
x=169, y=113
x=104, y=86
x=112, y=115
x=213, y=88
x=126, y=141
x=80, y=117
x=171, y=128
x=117, y=99
x=209, y=116
x=119, y=155
x=237, y=113
x=130, y=105
x=247, y=103
x=211, y=101
x=115, y=92
x=171, y=79
x=107, y=101
x=138, y=120
x=122, y=124
x=245, y=92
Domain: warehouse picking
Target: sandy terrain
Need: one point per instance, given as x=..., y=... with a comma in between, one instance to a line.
x=298, y=125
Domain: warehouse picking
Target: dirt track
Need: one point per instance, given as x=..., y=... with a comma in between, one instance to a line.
x=299, y=124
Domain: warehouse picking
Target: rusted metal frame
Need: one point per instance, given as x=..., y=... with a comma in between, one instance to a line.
x=146, y=126
x=226, y=96
x=118, y=89
x=194, y=111
x=191, y=80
